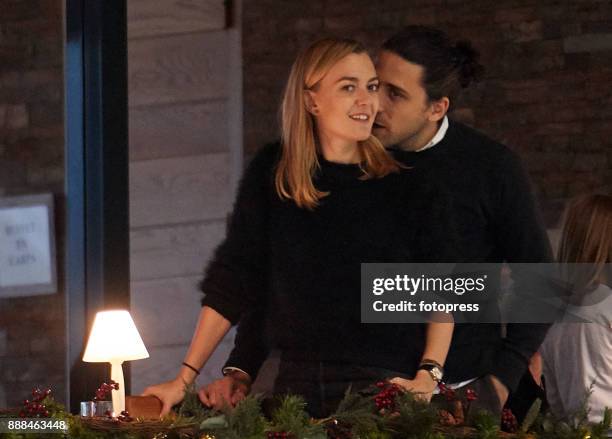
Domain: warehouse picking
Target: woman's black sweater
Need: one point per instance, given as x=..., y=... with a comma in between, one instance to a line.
x=304, y=265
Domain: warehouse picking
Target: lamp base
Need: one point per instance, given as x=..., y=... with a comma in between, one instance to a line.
x=118, y=395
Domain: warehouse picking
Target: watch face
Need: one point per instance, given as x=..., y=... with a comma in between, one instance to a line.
x=436, y=373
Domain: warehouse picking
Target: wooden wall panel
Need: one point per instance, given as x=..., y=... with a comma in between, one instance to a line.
x=156, y=305
x=148, y=18
x=178, y=130
x=172, y=251
x=180, y=68
x=179, y=190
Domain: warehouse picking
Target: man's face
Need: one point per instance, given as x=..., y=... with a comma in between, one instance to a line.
x=404, y=117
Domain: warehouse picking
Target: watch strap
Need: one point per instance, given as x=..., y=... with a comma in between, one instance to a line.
x=436, y=372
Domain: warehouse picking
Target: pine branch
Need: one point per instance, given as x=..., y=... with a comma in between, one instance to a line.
x=487, y=425
x=247, y=420
x=358, y=411
x=600, y=430
x=192, y=407
x=414, y=419
x=531, y=416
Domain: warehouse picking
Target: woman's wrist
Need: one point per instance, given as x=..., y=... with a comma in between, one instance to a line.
x=186, y=375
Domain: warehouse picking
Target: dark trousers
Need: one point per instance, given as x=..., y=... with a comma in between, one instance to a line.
x=324, y=384
x=526, y=394
x=486, y=399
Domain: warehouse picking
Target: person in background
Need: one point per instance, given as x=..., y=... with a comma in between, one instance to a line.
x=577, y=355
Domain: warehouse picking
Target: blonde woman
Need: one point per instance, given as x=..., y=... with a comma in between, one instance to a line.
x=578, y=355
x=307, y=214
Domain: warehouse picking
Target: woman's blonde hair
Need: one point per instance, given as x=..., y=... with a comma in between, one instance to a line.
x=587, y=240
x=299, y=161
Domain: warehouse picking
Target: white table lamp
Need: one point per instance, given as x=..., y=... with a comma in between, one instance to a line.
x=115, y=339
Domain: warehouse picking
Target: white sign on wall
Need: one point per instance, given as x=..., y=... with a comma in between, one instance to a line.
x=27, y=246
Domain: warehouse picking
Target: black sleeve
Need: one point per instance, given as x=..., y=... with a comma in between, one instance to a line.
x=236, y=279
x=520, y=229
x=250, y=349
x=436, y=232
x=522, y=238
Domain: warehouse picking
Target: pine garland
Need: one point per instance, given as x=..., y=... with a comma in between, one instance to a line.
x=363, y=415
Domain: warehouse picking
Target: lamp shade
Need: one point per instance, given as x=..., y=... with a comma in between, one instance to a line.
x=113, y=338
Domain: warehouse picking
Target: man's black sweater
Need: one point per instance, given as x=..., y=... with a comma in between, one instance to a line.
x=490, y=218
x=496, y=220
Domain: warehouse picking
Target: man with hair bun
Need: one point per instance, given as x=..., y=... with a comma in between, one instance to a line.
x=421, y=73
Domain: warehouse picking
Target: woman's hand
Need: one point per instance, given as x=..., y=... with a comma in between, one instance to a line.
x=211, y=328
x=169, y=393
x=422, y=385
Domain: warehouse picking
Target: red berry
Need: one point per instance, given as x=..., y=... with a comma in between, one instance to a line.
x=471, y=395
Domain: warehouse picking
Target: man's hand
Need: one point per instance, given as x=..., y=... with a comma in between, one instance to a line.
x=170, y=393
x=500, y=389
x=226, y=392
x=422, y=384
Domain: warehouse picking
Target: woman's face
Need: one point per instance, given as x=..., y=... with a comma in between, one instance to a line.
x=344, y=103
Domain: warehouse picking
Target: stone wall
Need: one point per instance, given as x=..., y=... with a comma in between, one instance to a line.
x=32, y=332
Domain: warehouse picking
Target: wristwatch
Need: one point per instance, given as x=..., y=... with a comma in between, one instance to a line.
x=435, y=370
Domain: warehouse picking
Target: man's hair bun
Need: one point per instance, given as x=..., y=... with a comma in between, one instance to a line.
x=465, y=57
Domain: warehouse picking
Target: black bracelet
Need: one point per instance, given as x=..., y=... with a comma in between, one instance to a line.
x=191, y=367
